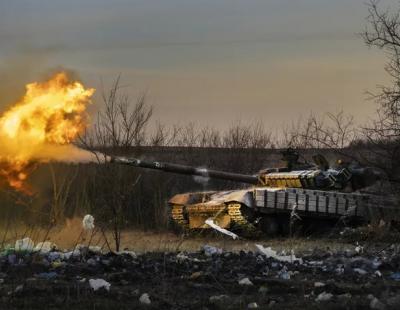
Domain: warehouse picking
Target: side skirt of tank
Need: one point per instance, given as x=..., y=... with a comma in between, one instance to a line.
x=310, y=203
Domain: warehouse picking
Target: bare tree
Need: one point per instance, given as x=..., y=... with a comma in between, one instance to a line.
x=333, y=131
x=209, y=137
x=383, y=134
x=260, y=138
x=160, y=135
x=121, y=122
x=61, y=183
x=237, y=136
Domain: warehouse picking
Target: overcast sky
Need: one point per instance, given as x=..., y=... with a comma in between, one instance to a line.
x=207, y=61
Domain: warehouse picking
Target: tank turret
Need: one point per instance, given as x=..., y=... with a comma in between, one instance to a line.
x=293, y=175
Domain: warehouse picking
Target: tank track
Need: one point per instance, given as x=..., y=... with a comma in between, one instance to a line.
x=238, y=220
x=178, y=217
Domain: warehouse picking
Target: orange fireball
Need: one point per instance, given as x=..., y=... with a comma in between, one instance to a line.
x=49, y=116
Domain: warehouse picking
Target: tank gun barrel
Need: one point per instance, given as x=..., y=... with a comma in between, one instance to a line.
x=188, y=170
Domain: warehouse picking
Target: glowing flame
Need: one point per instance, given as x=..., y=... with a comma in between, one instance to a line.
x=41, y=126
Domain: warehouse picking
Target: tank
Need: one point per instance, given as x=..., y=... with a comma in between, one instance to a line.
x=311, y=193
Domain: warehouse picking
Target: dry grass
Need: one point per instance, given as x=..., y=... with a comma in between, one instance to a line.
x=67, y=236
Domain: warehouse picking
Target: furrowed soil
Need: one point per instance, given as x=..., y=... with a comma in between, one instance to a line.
x=181, y=273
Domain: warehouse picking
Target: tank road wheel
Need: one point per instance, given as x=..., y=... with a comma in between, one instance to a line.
x=239, y=222
x=235, y=214
x=179, y=221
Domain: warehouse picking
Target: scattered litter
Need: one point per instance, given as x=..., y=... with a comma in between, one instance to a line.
x=47, y=275
x=315, y=263
x=268, y=252
x=395, y=276
x=324, y=296
x=95, y=249
x=376, y=263
x=130, y=253
x=53, y=256
x=19, y=288
x=211, y=250
x=247, y=270
x=245, y=281
x=181, y=257
x=339, y=269
x=91, y=262
x=25, y=244
x=145, y=299
x=210, y=222
x=377, y=304
x=88, y=222
x=45, y=247
x=96, y=284
x=359, y=249
x=263, y=290
x=360, y=271
x=284, y=274
x=252, y=305
x=75, y=253
x=219, y=299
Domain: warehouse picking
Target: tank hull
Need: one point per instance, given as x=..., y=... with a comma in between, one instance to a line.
x=246, y=207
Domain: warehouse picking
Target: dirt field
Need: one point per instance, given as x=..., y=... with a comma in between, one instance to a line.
x=203, y=272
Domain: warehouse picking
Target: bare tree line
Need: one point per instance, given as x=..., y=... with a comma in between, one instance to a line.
x=124, y=122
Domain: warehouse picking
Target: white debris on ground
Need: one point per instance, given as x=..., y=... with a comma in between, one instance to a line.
x=88, y=222
x=145, y=299
x=210, y=250
x=378, y=274
x=245, y=281
x=252, y=305
x=95, y=249
x=181, y=257
x=268, y=252
x=360, y=271
x=210, y=222
x=284, y=274
x=19, y=288
x=97, y=284
x=25, y=244
x=45, y=247
x=318, y=269
x=75, y=253
x=324, y=296
x=359, y=249
x=127, y=252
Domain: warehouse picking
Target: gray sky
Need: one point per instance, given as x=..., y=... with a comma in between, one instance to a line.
x=207, y=61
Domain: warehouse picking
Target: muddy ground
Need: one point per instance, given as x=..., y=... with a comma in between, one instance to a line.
x=180, y=273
